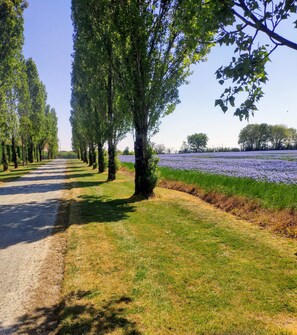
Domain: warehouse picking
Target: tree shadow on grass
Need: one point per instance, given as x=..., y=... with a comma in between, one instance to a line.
x=77, y=316
x=102, y=209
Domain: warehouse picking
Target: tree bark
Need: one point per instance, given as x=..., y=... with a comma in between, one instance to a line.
x=111, y=161
x=142, y=185
x=111, y=146
x=23, y=152
x=94, y=159
x=31, y=152
x=40, y=153
x=90, y=156
x=81, y=154
x=101, y=165
x=4, y=157
x=14, y=153
x=85, y=155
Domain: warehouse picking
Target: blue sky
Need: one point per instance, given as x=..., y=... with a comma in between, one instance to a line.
x=48, y=40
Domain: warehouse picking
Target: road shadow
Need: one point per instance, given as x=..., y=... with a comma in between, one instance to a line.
x=35, y=186
x=76, y=317
x=31, y=222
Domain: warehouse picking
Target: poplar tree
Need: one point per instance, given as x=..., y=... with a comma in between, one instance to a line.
x=38, y=96
x=154, y=61
x=94, y=79
x=11, y=42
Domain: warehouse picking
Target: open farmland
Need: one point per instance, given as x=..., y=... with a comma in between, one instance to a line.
x=271, y=166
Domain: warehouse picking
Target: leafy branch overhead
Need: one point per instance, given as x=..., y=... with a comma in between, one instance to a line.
x=241, y=23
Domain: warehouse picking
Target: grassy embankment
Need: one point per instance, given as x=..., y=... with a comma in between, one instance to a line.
x=170, y=265
x=270, y=195
x=13, y=173
x=267, y=204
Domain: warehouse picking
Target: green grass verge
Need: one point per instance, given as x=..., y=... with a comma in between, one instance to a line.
x=270, y=195
x=13, y=173
x=172, y=265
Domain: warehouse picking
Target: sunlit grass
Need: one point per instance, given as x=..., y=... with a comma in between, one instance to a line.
x=171, y=265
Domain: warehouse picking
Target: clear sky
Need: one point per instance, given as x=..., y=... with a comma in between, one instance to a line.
x=48, y=40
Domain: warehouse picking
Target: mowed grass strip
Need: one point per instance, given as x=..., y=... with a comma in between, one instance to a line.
x=170, y=265
x=13, y=173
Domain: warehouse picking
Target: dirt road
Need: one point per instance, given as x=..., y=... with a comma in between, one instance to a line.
x=28, y=210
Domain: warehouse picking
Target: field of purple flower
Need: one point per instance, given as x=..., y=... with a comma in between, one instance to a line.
x=271, y=166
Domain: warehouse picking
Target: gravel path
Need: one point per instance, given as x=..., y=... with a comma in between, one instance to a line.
x=28, y=210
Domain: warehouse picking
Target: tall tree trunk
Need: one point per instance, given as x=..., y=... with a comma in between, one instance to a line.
x=94, y=159
x=40, y=152
x=90, y=157
x=31, y=152
x=111, y=161
x=9, y=153
x=81, y=154
x=91, y=154
x=19, y=152
x=141, y=163
x=111, y=146
x=101, y=165
x=23, y=152
x=35, y=154
x=4, y=157
x=85, y=155
x=145, y=165
x=26, y=157
x=14, y=153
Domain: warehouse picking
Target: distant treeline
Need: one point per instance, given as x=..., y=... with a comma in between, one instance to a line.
x=267, y=137
x=67, y=154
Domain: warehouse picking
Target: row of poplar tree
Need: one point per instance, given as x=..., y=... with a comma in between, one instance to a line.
x=131, y=56
x=129, y=60
x=28, y=125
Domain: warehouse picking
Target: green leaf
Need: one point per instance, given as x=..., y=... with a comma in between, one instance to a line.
x=218, y=102
x=224, y=109
x=231, y=100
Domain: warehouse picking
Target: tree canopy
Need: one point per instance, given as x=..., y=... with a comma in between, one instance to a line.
x=263, y=136
x=197, y=142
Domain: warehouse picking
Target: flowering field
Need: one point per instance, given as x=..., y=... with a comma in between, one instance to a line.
x=271, y=166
